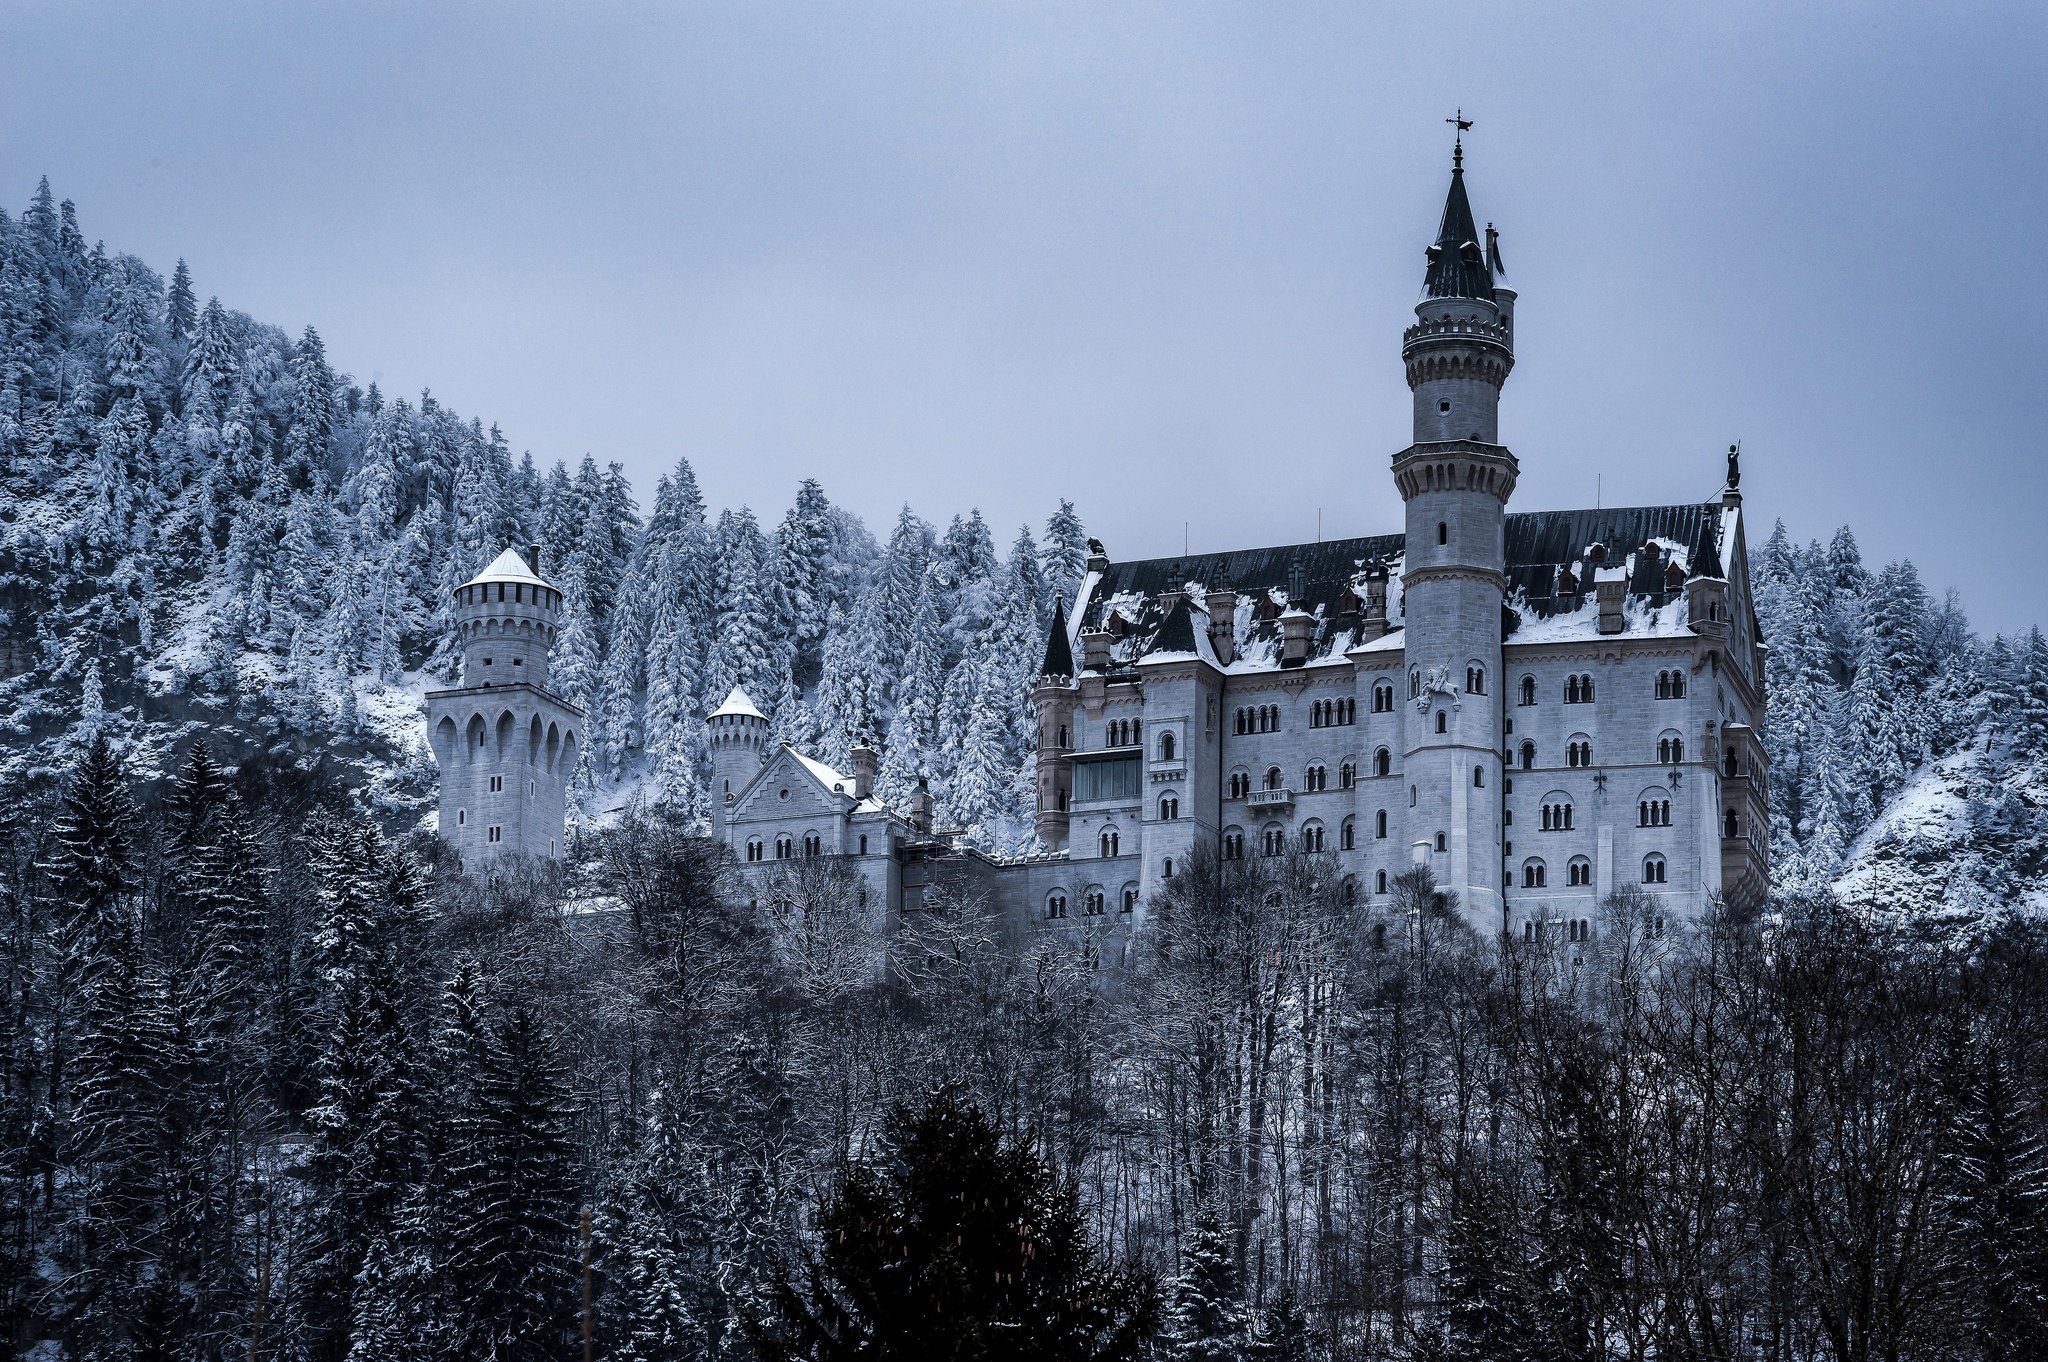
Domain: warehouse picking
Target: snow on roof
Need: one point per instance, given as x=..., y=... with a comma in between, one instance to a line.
x=509, y=566
x=823, y=774
x=737, y=705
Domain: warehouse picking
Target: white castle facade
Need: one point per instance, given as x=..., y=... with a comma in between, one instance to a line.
x=1542, y=708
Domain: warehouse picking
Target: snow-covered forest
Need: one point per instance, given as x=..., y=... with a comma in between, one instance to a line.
x=277, y=1081
x=205, y=527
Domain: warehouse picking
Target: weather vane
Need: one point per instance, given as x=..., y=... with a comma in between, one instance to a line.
x=1463, y=125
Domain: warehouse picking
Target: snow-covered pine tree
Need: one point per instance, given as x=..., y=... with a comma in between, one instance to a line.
x=182, y=312
x=1065, y=556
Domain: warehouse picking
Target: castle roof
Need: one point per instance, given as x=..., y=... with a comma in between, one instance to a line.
x=509, y=566
x=1550, y=576
x=1458, y=266
x=1059, y=648
x=737, y=704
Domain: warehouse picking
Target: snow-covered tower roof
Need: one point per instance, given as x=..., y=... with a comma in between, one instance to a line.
x=511, y=566
x=738, y=705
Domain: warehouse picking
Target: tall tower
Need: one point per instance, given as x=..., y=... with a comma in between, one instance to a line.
x=737, y=732
x=1455, y=480
x=506, y=744
x=1053, y=699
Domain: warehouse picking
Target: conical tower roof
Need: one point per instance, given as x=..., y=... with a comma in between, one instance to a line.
x=738, y=705
x=1457, y=261
x=1059, y=652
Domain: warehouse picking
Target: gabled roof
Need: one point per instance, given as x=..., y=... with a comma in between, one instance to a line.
x=509, y=566
x=1177, y=635
x=737, y=704
x=1454, y=271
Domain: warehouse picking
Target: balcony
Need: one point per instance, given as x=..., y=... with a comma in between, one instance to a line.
x=1270, y=799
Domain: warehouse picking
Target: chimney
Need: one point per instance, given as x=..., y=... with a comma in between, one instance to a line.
x=1222, y=607
x=866, y=761
x=1611, y=586
x=533, y=559
x=1095, y=649
x=1374, y=623
x=921, y=808
x=1295, y=628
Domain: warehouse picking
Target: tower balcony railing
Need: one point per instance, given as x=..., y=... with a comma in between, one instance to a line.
x=1270, y=799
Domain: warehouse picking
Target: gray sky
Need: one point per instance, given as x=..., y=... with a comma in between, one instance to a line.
x=1155, y=257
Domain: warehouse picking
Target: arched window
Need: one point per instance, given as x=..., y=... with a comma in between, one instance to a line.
x=1532, y=874
x=812, y=845
x=1240, y=784
x=1312, y=837
x=754, y=849
x=1347, y=835
x=1272, y=777
x=1578, y=752
x=1578, y=690
x=1578, y=872
x=1731, y=826
x=1274, y=840
x=1443, y=532
x=1475, y=680
x=1670, y=750
x=863, y=844
x=1092, y=903
x=1109, y=841
x=1379, y=824
x=784, y=847
x=1653, y=811
x=1557, y=813
x=1479, y=777
x=1382, y=762
x=1166, y=747
x=1728, y=767
x=1441, y=845
x=1528, y=690
x=1382, y=697
x=1414, y=682
x=1350, y=891
x=1347, y=775
x=1237, y=721
x=1528, y=756
x=1233, y=844
x=1653, y=869
x=1130, y=898
x=1169, y=807
x=1380, y=887
x=1166, y=869
x=1056, y=904
x=1442, y=721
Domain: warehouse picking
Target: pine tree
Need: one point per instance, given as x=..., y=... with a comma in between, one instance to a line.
x=182, y=314
x=1206, y=1319
x=1065, y=556
x=955, y=1246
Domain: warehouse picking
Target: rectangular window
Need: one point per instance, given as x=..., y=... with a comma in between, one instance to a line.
x=497, y=834
x=1105, y=778
x=497, y=784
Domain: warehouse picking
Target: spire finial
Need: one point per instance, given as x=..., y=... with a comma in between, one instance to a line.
x=1463, y=125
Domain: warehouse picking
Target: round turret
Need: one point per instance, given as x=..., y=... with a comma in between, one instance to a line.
x=737, y=733
x=506, y=617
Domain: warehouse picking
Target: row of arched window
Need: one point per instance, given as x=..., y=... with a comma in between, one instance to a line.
x=1094, y=902
x=1578, y=689
x=1578, y=752
x=1123, y=733
x=1257, y=719
x=1333, y=713
x=1315, y=778
x=1653, y=813
x=1579, y=872
x=785, y=847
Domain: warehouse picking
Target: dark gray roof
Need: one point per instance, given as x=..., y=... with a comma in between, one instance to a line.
x=1059, y=653
x=1326, y=578
x=1454, y=271
x=1177, y=635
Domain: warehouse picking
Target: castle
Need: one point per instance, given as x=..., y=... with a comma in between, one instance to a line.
x=1540, y=708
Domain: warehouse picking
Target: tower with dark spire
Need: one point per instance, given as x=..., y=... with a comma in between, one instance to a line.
x=1455, y=479
x=1053, y=701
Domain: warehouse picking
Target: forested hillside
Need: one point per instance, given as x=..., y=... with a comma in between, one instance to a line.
x=205, y=527
x=277, y=1081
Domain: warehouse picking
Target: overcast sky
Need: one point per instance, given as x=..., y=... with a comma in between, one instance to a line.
x=1154, y=257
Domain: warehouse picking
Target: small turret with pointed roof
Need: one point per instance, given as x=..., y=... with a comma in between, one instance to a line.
x=1059, y=649
x=1459, y=265
x=737, y=734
